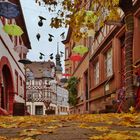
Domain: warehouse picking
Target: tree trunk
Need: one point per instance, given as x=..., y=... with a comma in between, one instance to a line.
x=126, y=6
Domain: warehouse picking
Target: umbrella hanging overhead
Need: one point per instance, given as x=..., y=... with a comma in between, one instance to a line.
x=25, y=61
x=90, y=17
x=81, y=49
x=75, y=57
x=13, y=29
x=21, y=49
x=8, y=10
x=66, y=74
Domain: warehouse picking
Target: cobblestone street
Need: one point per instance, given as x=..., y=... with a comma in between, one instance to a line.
x=72, y=127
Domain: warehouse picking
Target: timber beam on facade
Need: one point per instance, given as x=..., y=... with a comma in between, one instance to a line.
x=114, y=31
x=137, y=7
x=79, y=104
x=105, y=42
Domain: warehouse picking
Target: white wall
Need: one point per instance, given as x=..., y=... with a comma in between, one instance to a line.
x=14, y=65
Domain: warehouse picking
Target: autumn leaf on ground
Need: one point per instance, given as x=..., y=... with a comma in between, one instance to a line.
x=125, y=123
x=96, y=138
x=32, y=132
x=132, y=109
x=109, y=122
x=101, y=128
x=3, y=138
x=136, y=133
x=128, y=120
x=7, y=125
x=29, y=138
x=115, y=135
x=52, y=127
x=22, y=138
x=23, y=124
x=84, y=125
x=54, y=121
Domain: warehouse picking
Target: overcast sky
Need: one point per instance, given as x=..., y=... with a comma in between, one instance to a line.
x=31, y=12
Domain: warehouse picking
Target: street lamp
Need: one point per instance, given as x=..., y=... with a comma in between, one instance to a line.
x=25, y=61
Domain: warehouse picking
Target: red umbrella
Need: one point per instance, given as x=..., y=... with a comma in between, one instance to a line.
x=66, y=74
x=75, y=57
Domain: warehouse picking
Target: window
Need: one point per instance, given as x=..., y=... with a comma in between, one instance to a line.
x=108, y=63
x=39, y=110
x=96, y=73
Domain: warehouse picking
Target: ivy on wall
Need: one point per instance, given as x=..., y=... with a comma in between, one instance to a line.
x=72, y=88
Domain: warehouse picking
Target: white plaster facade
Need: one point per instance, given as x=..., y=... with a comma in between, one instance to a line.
x=62, y=101
x=13, y=58
x=13, y=90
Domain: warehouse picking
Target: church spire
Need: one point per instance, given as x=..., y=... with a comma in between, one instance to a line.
x=58, y=62
x=57, y=47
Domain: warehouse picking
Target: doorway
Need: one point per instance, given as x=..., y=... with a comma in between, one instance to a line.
x=7, y=89
x=39, y=110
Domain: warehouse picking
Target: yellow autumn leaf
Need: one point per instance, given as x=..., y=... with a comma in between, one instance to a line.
x=29, y=138
x=125, y=123
x=109, y=122
x=32, y=132
x=3, y=138
x=21, y=138
x=52, y=127
x=101, y=128
x=7, y=125
x=115, y=135
x=54, y=120
x=96, y=138
x=132, y=109
x=113, y=15
x=115, y=2
x=84, y=125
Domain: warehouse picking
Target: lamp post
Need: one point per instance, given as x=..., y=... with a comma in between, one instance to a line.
x=25, y=61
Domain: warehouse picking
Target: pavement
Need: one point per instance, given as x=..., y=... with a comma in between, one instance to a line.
x=75, y=127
